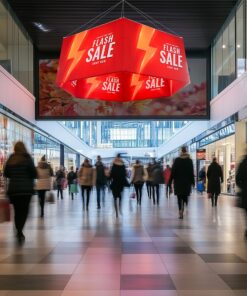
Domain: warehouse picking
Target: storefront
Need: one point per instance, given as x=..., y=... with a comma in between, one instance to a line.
x=13, y=129
x=221, y=145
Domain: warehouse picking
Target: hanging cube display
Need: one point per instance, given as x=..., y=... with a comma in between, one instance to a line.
x=122, y=61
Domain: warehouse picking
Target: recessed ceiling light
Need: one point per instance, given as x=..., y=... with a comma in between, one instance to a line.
x=238, y=45
x=41, y=27
x=223, y=46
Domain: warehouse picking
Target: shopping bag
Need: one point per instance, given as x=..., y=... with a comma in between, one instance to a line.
x=4, y=210
x=73, y=188
x=50, y=197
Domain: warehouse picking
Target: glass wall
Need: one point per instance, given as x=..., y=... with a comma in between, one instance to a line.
x=16, y=49
x=224, y=151
x=229, y=50
x=124, y=134
x=37, y=145
x=45, y=146
x=10, y=132
x=69, y=158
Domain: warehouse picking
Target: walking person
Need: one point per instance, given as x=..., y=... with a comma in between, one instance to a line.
x=157, y=179
x=183, y=177
x=72, y=180
x=100, y=180
x=118, y=181
x=241, y=181
x=149, y=180
x=60, y=176
x=137, y=178
x=215, y=178
x=44, y=174
x=21, y=172
x=86, y=181
x=167, y=175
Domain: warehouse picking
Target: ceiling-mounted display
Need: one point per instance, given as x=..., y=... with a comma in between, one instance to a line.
x=122, y=61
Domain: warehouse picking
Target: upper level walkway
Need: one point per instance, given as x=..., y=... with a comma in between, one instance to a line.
x=148, y=251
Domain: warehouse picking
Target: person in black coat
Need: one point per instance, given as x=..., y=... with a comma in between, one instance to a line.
x=215, y=178
x=21, y=172
x=118, y=181
x=157, y=179
x=100, y=179
x=72, y=179
x=183, y=177
x=241, y=181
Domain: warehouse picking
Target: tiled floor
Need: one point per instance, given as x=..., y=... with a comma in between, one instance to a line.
x=148, y=251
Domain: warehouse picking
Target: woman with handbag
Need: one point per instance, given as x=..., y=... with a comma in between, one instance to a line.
x=21, y=172
x=44, y=175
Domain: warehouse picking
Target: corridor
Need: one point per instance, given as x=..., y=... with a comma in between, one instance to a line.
x=148, y=251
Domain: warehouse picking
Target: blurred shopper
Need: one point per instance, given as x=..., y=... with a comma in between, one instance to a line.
x=149, y=180
x=137, y=178
x=60, y=176
x=21, y=172
x=167, y=175
x=44, y=174
x=72, y=180
x=100, y=180
x=117, y=181
x=241, y=181
x=215, y=177
x=86, y=181
x=157, y=179
x=183, y=177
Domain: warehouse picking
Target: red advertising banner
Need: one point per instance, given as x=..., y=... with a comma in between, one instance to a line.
x=122, y=61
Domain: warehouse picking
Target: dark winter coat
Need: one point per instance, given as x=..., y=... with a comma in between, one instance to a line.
x=60, y=175
x=100, y=174
x=21, y=172
x=118, y=176
x=215, y=177
x=157, y=174
x=241, y=180
x=182, y=175
x=71, y=177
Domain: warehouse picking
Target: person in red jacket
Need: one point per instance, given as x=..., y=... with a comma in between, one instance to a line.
x=167, y=175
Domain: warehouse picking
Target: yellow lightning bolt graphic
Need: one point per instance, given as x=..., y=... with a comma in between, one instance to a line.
x=94, y=84
x=74, y=53
x=145, y=37
x=137, y=83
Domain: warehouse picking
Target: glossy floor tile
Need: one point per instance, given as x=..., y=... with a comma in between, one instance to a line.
x=147, y=251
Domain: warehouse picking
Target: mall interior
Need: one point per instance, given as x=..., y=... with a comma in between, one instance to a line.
x=147, y=250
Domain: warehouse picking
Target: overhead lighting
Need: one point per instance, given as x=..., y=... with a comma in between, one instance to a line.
x=238, y=45
x=41, y=27
x=224, y=46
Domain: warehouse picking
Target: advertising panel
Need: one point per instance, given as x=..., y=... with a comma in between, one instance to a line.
x=188, y=103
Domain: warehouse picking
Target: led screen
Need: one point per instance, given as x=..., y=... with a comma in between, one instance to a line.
x=189, y=103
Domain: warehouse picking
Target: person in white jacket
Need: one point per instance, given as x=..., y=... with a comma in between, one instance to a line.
x=44, y=174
